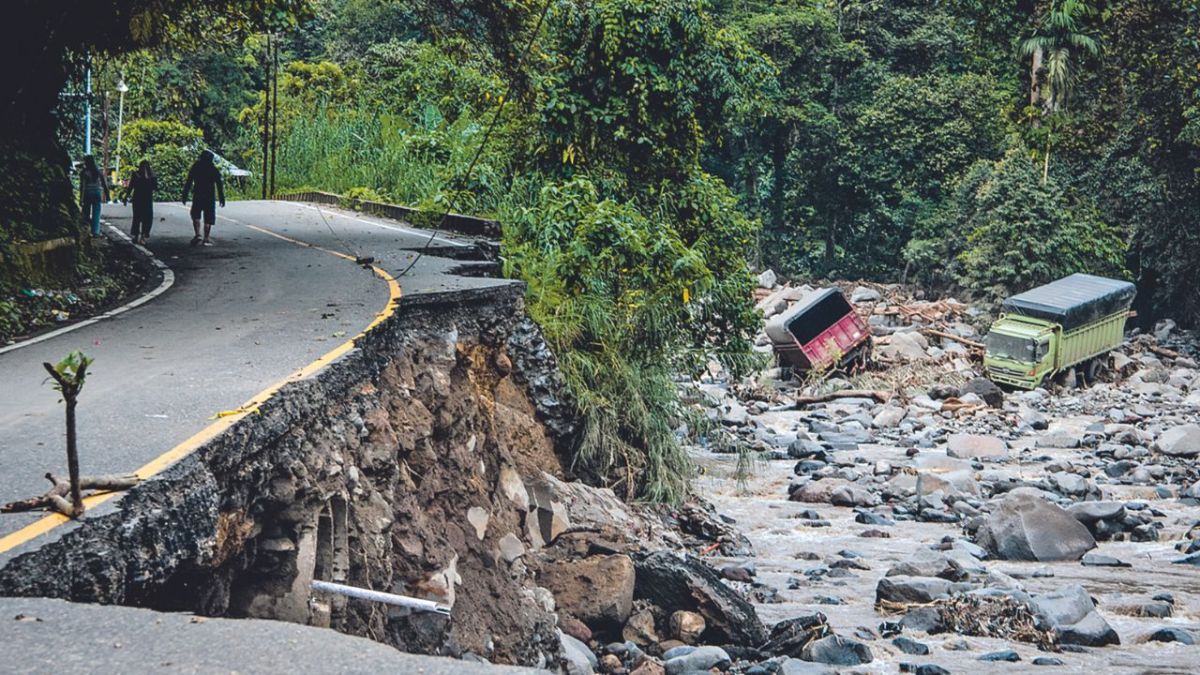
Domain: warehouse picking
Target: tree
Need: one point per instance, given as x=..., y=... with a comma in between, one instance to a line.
x=1020, y=233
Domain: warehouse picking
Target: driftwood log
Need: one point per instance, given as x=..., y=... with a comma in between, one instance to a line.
x=949, y=336
x=55, y=499
x=880, y=396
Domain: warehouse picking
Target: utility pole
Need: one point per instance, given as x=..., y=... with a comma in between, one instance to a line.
x=275, y=117
x=121, y=89
x=266, y=120
x=104, y=128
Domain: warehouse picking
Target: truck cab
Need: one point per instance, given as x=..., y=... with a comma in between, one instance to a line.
x=1020, y=351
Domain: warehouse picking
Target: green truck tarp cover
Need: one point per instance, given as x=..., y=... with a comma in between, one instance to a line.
x=1074, y=301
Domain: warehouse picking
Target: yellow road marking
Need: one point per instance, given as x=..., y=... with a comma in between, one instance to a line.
x=226, y=419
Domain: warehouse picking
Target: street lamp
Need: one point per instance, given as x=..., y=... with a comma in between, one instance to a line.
x=121, y=88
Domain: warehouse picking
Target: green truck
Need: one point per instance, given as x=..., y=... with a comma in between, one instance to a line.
x=1045, y=331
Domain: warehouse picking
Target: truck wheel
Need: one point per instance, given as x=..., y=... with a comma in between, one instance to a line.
x=1092, y=370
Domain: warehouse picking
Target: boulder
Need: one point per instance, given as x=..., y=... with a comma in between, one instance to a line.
x=889, y=418
x=817, y=491
x=1181, y=441
x=986, y=390
x=974, y=446
x=1026, y=527
x=685, y=583
x=864, y=294
x=1070, y=613
x=836, y=650
x=686, y=626
x=905, y=590
x=578, y=659
x=699, y=659
x=852, y=495
x=596, y=590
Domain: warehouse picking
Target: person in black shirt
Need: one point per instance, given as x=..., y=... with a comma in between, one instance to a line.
x=206, y=179
x=141, y=193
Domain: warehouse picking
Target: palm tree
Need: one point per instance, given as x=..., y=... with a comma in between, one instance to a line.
x=1058, y=44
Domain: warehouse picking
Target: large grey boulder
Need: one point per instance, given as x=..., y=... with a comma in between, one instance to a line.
x=1026, y=527
x=578, y=659
x=1072, y=615
x=1180, y=441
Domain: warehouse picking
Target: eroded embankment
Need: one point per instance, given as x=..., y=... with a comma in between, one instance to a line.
x=423, y=463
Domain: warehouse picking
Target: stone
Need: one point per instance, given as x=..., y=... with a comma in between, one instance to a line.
x=816, y=491
x=889, y=418
x=1172, y=634
x=986, y=390
x=914, y=590
x=767, y=279
x=676, y=583
x=865, y=294
x=579, y=660
x=1180, y=441
x=835, y=650
x=1005, y=655
x=511, y=547
x=513, y=487
x=640, y=630
x=1093, y=559
x=1091, y=512
x=851, y=495
x=1070, y=613
x=1047, y=661
x=910, y=646
x=611, y=663
x=699, y=659
x=478, y=518
x=944, y=391
x=575, y=628
x=924, y=620
x=973, y=446
x=904, y=347
x=801, y=667
x=1026, y=527
x=597, y=590
x=686, y=626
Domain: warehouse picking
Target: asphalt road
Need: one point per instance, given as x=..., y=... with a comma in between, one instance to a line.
x=241, y=316
x=53, y=636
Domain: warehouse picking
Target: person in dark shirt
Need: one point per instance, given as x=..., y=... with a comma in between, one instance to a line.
x=93, y=191
x=141, y=193
x=206, y=178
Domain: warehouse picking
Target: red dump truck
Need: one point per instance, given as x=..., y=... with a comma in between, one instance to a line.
x=821, y=331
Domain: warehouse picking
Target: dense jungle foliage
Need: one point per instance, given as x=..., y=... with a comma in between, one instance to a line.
x=650, y=153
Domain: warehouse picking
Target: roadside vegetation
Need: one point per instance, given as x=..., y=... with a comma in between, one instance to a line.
x=649, y=153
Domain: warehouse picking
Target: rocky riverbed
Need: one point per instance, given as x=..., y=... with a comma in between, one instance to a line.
x=917, y=518
x=1043, y=528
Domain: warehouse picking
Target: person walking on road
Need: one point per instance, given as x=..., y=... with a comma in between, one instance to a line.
x=93, y=191
x=206, y=178
x=141, y=193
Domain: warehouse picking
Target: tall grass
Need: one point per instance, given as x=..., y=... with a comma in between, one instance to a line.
x=420, y=163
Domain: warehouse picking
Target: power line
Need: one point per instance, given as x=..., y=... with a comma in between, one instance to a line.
x=487, y=135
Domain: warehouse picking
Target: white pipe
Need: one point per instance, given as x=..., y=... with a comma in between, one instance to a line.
x=380, y=596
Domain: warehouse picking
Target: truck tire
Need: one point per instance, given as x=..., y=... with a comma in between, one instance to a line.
x=1092, y=370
